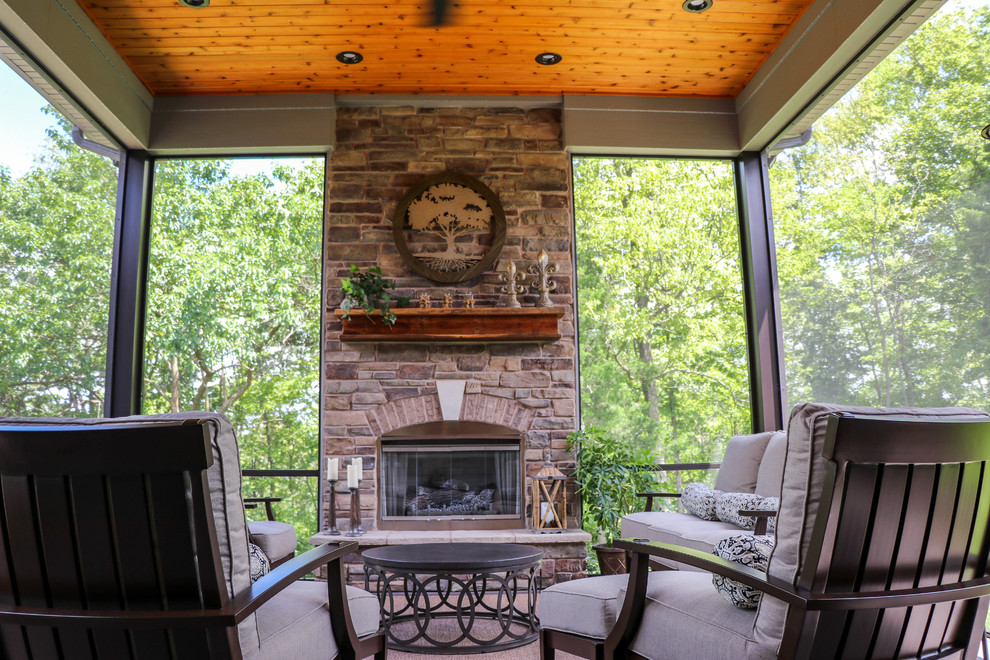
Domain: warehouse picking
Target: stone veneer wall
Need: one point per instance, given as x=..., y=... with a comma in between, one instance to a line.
x=372, y=388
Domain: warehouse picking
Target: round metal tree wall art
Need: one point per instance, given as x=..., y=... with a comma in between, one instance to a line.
x=449, y=227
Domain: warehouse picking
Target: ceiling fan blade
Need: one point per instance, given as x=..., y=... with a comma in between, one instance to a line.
x=439, y=13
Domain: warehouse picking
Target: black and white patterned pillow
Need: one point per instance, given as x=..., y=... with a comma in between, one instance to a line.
x=260, y=564
x=727, y=506
x=699, y=500
x=748, y=550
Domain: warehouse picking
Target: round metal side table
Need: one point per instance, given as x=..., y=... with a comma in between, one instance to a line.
x=462, y=583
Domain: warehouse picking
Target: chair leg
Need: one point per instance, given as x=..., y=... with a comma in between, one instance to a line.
x=383, y=654
x=546, y=649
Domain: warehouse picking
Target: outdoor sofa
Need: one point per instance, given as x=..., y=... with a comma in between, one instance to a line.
x=751, y=466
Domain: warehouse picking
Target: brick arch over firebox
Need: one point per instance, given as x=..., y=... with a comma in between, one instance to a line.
x=476, y=408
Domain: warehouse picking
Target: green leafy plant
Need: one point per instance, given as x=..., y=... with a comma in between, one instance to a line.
x=607, y=479
x=370, y=291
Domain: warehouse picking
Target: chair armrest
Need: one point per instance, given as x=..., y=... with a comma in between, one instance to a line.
x=349, y=645
x=265, y=588
x=230, y=615
x=649, y=498
x=253, y=502
x=761, y=516
x=641, y=551
x=706, y=561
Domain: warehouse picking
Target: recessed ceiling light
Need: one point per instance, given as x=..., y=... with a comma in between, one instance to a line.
x=349, y=57
x=195, y=4
x=548, y=58
x=697, y=6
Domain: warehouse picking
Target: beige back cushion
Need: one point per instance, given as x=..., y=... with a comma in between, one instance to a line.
x=224, y=478
x=741, y=463
x=772, y=466
x=804, y=475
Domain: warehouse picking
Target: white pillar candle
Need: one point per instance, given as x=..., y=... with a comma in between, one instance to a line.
x=359, y=467
x=333, y=468
x=352, y=479
x=545, y=514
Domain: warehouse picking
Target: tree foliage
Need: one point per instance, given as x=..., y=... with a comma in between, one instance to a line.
x=56, y=224
x=233, y=319
x=233, y=301
x=882, y=226
x=662, y=329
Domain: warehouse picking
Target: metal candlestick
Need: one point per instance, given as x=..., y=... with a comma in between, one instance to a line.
x=542, y=268
x=333, y=531
x=357, y=498
x=355, y=513
x=514, y=281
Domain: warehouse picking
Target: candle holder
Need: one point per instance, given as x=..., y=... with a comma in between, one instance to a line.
x=357, y=498
x=333, y=531
x=355, y=513
x=514, y=287
x=542, y=283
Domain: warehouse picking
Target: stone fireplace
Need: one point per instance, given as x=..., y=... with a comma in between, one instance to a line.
x=407, y=402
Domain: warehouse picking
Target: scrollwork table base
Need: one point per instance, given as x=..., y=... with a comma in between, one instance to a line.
x=462, y=583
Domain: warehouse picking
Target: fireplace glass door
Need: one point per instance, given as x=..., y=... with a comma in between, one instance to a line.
x=472, y=482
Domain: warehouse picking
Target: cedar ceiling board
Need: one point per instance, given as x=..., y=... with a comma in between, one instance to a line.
x=633, y=48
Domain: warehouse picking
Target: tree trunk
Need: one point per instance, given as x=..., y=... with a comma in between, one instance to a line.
x=173, y=399
x=647, y=383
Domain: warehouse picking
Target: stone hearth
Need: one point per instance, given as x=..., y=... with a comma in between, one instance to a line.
x=373, y=388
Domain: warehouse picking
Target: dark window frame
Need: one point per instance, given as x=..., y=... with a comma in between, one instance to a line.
x=129, y=288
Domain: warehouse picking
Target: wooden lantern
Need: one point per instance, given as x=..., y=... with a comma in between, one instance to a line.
x=549, y=499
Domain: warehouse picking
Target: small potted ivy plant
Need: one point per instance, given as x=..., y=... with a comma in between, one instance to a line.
x=607, y=481
x=370, y=291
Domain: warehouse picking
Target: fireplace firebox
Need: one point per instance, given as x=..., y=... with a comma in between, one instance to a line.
x=451, y=475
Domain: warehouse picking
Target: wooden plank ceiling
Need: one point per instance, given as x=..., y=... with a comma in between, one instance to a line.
x=627, y=47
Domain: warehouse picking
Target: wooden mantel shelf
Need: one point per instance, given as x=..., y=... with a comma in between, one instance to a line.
x=478, y=325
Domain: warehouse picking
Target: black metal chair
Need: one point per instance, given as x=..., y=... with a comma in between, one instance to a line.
x=883, y=539
x=126, y=539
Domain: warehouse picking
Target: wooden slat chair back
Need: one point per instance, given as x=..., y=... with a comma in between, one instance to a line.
x=109, y=518
x=905, y=506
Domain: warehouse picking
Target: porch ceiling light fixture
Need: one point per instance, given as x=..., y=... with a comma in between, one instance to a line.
x=548, y=59
x=195, y=4
x=349, y=57
x=985, y=133
x=697, y=6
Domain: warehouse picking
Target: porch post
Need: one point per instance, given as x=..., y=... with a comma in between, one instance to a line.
x=128, y=278
x=761, y=292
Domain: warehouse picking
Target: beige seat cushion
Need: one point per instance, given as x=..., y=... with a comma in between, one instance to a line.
x=741, y=463
x=276, y=539
x=685, y=617
x=677, y=529
x=295, y=624
x=584, y=607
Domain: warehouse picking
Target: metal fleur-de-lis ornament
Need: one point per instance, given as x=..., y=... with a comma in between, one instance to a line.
x=514, y=280
x=542, y=269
